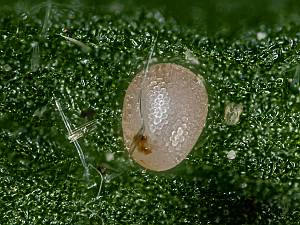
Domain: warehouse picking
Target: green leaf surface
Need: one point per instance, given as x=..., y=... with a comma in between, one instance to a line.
x=85, y=53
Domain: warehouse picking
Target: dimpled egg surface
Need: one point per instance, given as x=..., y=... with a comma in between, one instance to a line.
x=172, y=106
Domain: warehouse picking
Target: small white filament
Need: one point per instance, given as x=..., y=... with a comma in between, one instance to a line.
x=101, y=181
x=76, y=143
x=80, y=131
x=83, y=46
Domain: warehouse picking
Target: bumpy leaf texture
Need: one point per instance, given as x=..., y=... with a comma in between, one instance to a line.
x=244, y=169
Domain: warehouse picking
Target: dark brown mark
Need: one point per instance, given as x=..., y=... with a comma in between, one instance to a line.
x=88, y=113
x=102, y=168
x=140, y=141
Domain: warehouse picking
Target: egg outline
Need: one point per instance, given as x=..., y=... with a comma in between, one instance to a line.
x=131, y=101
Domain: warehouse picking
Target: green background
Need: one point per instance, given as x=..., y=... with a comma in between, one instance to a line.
x=41, y=176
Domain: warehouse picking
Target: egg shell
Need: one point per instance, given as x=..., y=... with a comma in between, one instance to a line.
x=174, y=106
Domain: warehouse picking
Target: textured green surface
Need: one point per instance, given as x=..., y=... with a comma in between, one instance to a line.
x=41, y=177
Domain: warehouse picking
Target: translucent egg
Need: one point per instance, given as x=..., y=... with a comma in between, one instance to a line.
x=164, y=113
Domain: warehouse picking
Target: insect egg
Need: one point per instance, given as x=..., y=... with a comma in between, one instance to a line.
x=164, y=114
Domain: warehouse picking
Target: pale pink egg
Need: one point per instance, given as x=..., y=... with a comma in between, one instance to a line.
x=174, y=105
